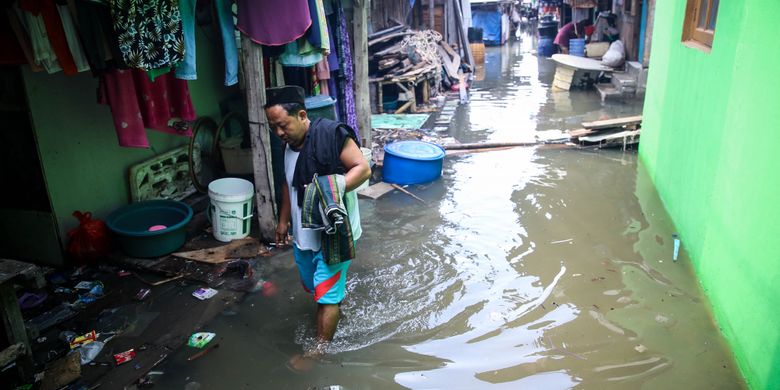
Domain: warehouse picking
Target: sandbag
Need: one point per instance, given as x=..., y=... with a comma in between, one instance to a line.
x=615, y=56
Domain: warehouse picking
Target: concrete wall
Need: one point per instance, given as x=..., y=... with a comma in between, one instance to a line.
x=710, y=138
x=83, y=164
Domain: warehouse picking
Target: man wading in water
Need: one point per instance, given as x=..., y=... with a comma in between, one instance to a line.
x=322, y=147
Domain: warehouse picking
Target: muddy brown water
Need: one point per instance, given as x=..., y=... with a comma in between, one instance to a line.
x=526, y=268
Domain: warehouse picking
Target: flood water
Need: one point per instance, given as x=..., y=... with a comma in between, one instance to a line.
x=526, y=268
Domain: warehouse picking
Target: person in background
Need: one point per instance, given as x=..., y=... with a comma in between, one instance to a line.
x=569, y=31
x=314, y=147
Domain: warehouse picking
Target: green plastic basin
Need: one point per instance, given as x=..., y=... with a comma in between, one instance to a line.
x=167, y=218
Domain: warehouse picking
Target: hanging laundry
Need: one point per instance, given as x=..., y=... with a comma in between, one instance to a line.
x=273, y=22
x=323, y=75
x=187, y=69
x=54, y=32
x=97, y=36
x=149, y=32
x=72, y=37
x=138, y=103
x=300, y=53
x=318, y=34
x=345, y=58
x=43, y=53
x=15, y=48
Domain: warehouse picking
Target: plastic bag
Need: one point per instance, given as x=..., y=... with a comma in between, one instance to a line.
x=89, y=241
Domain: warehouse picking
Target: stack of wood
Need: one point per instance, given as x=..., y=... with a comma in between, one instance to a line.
x=617, y=132
x=388, y=57
x=391, y=57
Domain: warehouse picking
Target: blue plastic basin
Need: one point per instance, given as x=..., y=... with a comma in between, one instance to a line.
x=131, y=224
x=412, y=162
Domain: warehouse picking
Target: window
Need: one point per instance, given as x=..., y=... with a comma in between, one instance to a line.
x=700, y=18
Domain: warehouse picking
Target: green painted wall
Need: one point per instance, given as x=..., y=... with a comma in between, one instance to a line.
x=709, y=140
x=84, y=166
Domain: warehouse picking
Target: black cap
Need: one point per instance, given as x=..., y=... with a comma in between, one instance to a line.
x=285, y=94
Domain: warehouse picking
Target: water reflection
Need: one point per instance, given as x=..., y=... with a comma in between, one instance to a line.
x=526, y=268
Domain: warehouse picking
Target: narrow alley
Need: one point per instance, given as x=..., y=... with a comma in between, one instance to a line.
x=561, y=275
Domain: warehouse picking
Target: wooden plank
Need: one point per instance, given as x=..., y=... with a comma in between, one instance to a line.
x=261, y=138
x=376, y=191
x=449, y=65
x=10, y=354
x=399, y=188
x=243, y=248
x=360, y=54
x=610, y=136
x=14, y=327
x=486, y=145
x=579, y=132
x=615, y=122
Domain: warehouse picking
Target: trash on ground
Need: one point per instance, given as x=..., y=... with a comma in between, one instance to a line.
x=124, y=357
x=83, y=339
x=676, y=247
x=89, y=352
x=142, y=294
x=200, y=339
x=204, y=293
x=203, y=352
x=86, y=285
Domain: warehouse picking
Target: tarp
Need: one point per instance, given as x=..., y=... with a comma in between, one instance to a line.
x=490, y=23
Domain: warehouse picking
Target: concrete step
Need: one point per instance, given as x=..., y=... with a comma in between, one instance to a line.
x=634, y=68
x=608, y=91
x=623, y=80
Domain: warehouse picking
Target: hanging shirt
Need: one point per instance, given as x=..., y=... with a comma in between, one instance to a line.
x=43, y=53
x=138, y=103
x=97, y=36
x=273, y=22
x=54, y=31
x=72, y=37
x=149, y=32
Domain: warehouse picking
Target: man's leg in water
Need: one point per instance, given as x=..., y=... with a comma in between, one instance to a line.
x=327, y=319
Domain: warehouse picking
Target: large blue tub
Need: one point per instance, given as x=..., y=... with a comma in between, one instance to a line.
x=412, y=162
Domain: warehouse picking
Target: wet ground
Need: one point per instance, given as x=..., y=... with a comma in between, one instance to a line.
x=526, y=268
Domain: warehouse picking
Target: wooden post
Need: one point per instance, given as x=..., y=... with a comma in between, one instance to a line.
x=431, y=19
x=261, y=138
x=360, y=55
x=15, y=330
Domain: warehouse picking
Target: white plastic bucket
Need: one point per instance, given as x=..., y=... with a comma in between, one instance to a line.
x=367, y=154
x=230, y=211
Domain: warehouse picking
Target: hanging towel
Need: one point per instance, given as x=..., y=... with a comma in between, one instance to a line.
x=324, y=209
x=138, y=103
x=54, y=31
x=42, y=51
x=72, y=37
x=273, y=22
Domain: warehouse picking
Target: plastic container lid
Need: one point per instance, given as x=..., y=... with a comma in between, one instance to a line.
x=318, y=101
x=415, y=150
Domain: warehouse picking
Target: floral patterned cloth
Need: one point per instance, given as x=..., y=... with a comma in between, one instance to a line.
x=149, y=32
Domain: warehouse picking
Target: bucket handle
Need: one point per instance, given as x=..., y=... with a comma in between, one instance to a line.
x=208, y=215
